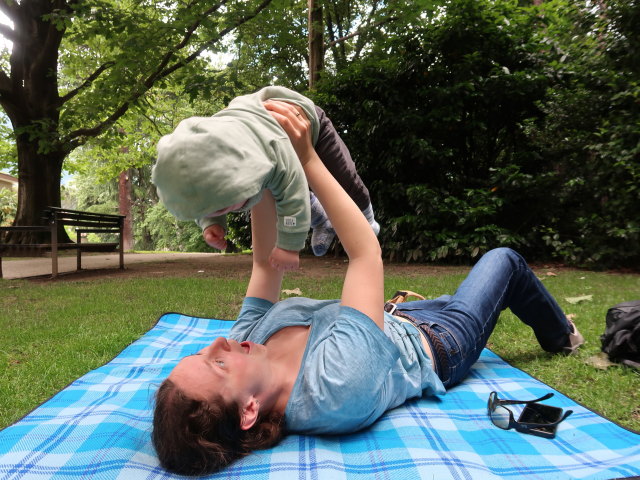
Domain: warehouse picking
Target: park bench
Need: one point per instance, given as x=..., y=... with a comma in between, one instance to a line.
x=84, y=222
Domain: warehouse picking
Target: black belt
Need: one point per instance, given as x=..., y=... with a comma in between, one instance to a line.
x=441, y=359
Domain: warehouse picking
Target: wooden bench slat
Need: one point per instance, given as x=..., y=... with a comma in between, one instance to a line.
x=97, y=218
x=64, y=213
x=85, y=223
x=98, y=230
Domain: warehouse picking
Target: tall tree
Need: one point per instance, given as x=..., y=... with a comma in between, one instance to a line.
x=77, y=67
x=316, y=44
x=278, y=48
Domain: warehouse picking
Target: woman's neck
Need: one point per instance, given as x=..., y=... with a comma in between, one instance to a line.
x=286, y=349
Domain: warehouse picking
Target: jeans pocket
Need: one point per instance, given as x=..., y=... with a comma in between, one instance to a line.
x=448, y=340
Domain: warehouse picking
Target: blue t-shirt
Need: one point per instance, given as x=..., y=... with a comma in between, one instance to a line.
x=351, y=371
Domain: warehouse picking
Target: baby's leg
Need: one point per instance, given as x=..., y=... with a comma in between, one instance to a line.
x=336, y=157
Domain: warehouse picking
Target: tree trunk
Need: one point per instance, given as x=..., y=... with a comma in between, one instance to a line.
x=316, y=44
x=38, y=188
x=30, y=99
x=124, y=198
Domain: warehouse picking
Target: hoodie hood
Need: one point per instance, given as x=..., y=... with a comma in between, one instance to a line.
x=207, y=164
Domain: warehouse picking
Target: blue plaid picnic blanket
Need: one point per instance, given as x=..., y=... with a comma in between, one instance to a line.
x=99, y=427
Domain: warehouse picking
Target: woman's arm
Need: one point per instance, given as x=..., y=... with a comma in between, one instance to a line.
x=265, y=281
x=363, y=287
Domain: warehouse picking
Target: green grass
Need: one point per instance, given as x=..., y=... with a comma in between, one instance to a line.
x=52, y=333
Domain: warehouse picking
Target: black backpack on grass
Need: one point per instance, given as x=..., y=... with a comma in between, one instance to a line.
x=621, y=339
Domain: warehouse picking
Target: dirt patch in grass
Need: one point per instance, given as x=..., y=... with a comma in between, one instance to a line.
x=237, y=266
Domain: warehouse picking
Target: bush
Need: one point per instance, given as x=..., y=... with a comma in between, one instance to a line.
x=499, y=125
x=8, y=206
x=438, y=126
x=591, y=132
x=171, y=234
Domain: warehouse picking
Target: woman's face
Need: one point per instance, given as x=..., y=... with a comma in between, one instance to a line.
x=235, y=371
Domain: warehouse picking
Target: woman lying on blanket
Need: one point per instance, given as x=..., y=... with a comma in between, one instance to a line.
x=332, y=367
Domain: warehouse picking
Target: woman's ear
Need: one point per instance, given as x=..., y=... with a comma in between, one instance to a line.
x=249, y=414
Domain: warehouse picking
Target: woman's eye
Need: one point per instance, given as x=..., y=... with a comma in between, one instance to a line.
x=220, y=363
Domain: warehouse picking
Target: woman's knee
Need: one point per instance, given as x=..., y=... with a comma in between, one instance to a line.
x=506, y=253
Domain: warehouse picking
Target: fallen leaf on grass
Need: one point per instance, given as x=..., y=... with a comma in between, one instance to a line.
x=551, y=274
x=295, y=291
x=601, y=361
x=583, y=298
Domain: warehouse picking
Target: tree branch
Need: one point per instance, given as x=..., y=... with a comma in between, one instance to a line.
x=359, y=32
x=87, y=83
x=360, y=42
x=7, y=32
x=9, y=8
x=188, y=34
x=81, y=135
x=153, y=123
x=166, y=72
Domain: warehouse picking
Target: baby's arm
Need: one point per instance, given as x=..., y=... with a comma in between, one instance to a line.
x=284, y=260
x=214, y=236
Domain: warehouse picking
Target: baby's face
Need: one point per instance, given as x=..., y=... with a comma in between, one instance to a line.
x=222, y=211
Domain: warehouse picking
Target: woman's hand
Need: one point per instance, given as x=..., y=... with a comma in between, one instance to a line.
x=214, y=236
x=284, y=260
x=296, y=125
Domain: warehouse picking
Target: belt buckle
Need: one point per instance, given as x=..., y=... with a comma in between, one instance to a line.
x=390, y=308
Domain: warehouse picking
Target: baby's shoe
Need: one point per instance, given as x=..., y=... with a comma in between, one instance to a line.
x=574, y=342
x=323, y=233
x=321, y=239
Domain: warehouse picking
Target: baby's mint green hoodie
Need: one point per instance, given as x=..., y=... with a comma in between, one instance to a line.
x=210, y=163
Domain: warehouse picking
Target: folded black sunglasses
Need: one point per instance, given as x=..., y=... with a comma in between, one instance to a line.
x=536, y=419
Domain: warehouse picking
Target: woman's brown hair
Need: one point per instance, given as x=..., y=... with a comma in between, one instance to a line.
x=194, y=437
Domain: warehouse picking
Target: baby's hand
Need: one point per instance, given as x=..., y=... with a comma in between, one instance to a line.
x=284, y=260
x=214, y=236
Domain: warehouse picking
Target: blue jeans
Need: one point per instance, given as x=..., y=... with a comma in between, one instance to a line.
x=463, y=322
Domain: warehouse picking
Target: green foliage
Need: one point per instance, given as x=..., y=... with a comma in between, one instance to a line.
x=274, y=50
x=167, y=233
x=238, y=231
x=494, y=124
x=450, y=151
x=132, y=142
x=8, y=154
x=8, y=206
x=171, y=234
x=591, y=131
x=437, y=226
x=132, y=45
